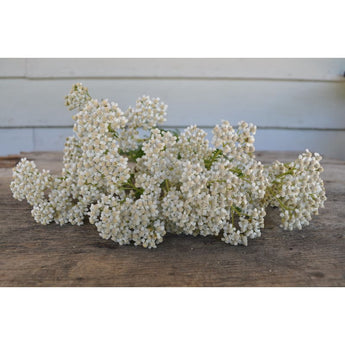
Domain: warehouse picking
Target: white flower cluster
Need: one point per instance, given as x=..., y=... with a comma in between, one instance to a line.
x=296, y=188
x=136, y=188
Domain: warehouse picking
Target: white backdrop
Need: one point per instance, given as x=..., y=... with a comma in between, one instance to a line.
x=296, y=103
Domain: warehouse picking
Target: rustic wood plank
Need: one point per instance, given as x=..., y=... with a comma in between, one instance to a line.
x=36, y=255
x=9, y=161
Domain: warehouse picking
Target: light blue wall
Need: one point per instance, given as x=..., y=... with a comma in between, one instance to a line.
x=296, y=103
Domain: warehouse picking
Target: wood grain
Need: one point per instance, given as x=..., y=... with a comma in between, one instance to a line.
x=36, y=255
x=9, y=161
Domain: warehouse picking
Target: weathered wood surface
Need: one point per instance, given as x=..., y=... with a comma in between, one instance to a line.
x=36, y=255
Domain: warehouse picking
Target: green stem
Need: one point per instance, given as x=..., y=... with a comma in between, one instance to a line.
x=216, y=181
x=167, y=185
x=282, y=205
x=290, y=172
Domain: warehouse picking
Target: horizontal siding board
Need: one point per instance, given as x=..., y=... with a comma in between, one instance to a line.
x=298, y=69
x=203, y=102
x=51, y=139
x=12, y=68
x=328, y=143
x=13, y=141
x=331, y=144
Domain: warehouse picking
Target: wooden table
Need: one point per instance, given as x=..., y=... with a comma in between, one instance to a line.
x=37, y=255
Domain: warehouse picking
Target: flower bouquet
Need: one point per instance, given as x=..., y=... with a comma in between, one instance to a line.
x=136, y=181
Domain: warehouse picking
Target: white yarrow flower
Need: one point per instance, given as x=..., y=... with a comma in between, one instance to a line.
x=136, y=182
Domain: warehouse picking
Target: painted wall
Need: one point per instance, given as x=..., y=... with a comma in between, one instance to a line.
x=296, y=103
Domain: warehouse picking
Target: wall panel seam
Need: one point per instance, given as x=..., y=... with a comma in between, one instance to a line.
x=307, y=80
x=335, y=129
